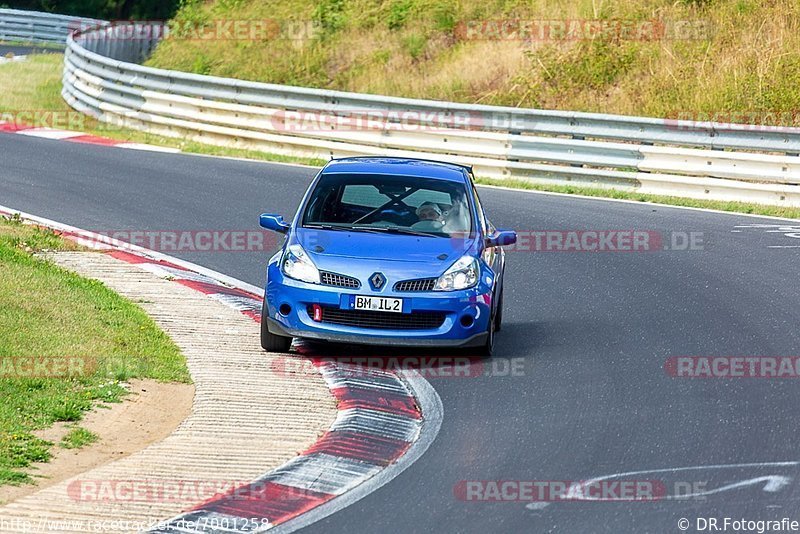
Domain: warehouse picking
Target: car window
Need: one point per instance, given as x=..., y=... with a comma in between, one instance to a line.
x=481, y=214
x=368, y=195
x=363, y=195
x=392, y=203
x=418, y=198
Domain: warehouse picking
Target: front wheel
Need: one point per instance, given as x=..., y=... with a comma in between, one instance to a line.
x=271, y=342
x=488, y=348
x=498, y=314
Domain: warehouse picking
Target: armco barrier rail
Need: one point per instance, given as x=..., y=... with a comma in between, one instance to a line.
x=103, y=77
x=41, y=28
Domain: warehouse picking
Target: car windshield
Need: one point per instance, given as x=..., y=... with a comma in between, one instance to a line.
x=391, y=204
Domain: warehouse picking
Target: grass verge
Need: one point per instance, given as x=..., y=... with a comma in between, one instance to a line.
x=66, y=344
x=676, y=56
x=32, y=89
x=36, y=85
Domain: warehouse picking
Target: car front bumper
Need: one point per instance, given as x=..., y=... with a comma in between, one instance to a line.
x=466, y=314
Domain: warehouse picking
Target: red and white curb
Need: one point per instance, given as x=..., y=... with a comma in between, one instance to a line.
x=386, y=419
x=78, y=137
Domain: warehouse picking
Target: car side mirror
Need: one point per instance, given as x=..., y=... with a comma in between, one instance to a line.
x=274, y=223
x=501, y=238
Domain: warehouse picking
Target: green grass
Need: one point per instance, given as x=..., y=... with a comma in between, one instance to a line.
x=211, y=150
x=78, y=437
x=51, y=46
x=35, y=86
x=52, y=315
x=700, y=56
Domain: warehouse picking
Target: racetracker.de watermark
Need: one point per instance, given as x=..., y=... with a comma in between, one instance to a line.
x=269, y=29
x=168, y=490
x=47, y=366
x=429, y=367
x=43, y=118
x=402, y=120
x=560, y=30
x=185, y=240
x=559, y=490
x=605, y=241
x=73, y=366
x=733, y=366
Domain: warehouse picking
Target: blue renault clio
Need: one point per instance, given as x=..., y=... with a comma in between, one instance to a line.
x=387, y=251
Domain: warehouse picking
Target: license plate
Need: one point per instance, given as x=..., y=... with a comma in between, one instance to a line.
x=378, y=304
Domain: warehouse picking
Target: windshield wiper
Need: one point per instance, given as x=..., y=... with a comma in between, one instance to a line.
x=343, y=228
x=373, y=229
x=395, y=230
x=327, y=227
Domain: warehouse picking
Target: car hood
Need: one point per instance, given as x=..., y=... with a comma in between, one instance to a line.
x=329, y=248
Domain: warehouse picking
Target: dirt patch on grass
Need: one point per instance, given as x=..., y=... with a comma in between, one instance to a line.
x=149, y=414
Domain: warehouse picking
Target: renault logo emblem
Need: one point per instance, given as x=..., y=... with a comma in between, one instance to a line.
x=377, y=281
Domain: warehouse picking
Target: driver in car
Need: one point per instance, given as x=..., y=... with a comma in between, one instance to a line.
x=431, y=218
x=428, y=211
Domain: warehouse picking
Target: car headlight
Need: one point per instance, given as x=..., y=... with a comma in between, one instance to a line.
x=296, y=264
x=463, y=274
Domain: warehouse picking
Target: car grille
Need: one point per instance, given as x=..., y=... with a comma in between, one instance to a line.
x=423, y=284
x=338, y=280
x=382, y=320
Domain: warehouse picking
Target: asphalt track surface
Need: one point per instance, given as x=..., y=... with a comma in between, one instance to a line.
x=593, y=331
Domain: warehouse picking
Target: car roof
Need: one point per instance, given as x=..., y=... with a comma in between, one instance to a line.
x=398, y=166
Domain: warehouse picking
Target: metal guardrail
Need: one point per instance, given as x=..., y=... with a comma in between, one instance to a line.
x=39, y=28
x=103, y=77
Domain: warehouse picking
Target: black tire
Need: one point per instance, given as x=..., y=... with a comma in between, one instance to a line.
x=271, y=342
x=498, y=317
x=488, y=348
